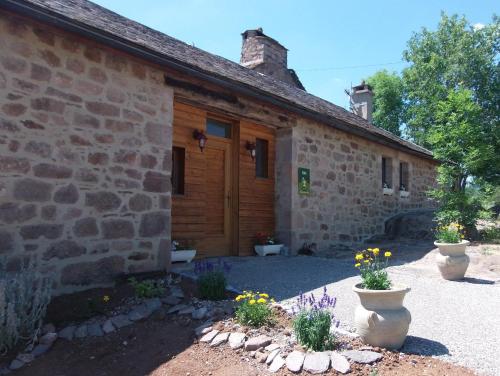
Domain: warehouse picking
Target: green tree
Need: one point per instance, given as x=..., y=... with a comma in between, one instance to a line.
x=457, y=139
x=387, y=100
x=451, y=105
x=455, y=56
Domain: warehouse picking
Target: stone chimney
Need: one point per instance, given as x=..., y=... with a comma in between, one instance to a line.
x=362, y=101
x=265, y=55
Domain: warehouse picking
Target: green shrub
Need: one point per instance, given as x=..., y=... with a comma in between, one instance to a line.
x=313, y=321
x=254, y=309
x=372, y=269
x=491, y=235
x=212, y=285
x=24, y=296
x=147, y=288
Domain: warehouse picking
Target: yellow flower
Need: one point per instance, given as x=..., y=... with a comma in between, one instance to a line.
x=261, y=300
x=359, y=257
x=239, y=297
x=375, y=251
x=367, y=261
x=251, y=302
x=264, y=295
x=357, y=265
x=387, y=254
x=105, y=298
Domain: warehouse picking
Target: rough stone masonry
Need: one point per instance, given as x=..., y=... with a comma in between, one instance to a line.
x=85, y=144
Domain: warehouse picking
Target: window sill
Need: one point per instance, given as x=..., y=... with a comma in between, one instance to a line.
x=388, y=191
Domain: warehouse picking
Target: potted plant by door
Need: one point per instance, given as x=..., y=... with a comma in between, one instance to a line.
x=403, y=192
x=380, y=319
x=182, y=253
x=451, y=260
x=387, y=190
x=266, y=244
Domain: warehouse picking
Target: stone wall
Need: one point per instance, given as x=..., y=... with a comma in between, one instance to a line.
x=346, y=204
x=85, y=151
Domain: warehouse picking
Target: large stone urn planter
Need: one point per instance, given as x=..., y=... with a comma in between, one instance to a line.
x=380, y=319
x=451, y=260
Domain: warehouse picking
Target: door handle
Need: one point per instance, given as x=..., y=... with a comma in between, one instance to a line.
x=228, y=197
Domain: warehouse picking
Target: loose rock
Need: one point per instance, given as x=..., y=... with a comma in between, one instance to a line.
x=219, y=339
x=153, y=304
x=40, y=350
x=94, y=330
x=67, y=333
x=317, y=362
x=209, y=336
x=272, y=355
x=108, y=327
x=120, y=321
x=81, y=331
x=272, y=347
x=363, y=357
x=171, y=300
x=295, y=360
x=257, y=342
x=26, y=358
x=339, y=363
x=236, y=340
x=277, y=363
x=177, y=308
x=199, y=313
x=48, y=338
x=16, y=364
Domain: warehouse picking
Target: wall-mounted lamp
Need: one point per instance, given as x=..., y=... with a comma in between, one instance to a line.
x=202, y=139
x=250, y=146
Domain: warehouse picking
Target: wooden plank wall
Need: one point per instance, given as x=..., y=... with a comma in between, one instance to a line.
x=256, y=195
x=188, y=210
x=255, y=212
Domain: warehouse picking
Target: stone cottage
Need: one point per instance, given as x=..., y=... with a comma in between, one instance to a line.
x=116, y=139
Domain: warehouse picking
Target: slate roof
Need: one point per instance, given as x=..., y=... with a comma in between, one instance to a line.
x=83, y=12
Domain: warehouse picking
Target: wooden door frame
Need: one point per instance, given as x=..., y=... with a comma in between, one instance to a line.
x=235, y=178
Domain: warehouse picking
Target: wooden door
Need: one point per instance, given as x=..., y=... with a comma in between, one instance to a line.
x=218, y=226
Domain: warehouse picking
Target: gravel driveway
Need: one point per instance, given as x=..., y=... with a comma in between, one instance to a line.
x=454, y=321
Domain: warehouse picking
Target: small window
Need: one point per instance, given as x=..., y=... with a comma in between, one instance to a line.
x=178, y=163
x=404, y=178
x=218, y=128
x=261, y=158
x=386, y=172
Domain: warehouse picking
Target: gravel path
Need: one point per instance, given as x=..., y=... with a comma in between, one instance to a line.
x=454, y=321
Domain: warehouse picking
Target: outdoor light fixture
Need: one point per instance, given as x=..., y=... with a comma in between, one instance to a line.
x=250, y=146
x=202, y=139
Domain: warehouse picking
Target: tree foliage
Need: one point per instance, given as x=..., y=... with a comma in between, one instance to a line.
x=387, y=100
x=451, y=104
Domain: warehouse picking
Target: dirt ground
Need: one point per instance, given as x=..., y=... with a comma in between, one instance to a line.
x=166, y=345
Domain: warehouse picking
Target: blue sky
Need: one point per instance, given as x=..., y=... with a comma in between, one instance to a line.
x=355, y=38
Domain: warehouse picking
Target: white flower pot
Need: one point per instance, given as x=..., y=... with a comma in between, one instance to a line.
x=388, y=191
x=380, y=319
x=451, y=260
x=270, y=249
x=186, y=255
x=404, y=194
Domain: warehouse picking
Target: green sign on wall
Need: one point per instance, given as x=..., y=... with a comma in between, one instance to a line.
x=304, y=181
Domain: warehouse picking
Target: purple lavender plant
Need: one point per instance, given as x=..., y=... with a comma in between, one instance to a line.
x=206, y=266
x=309, y=303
